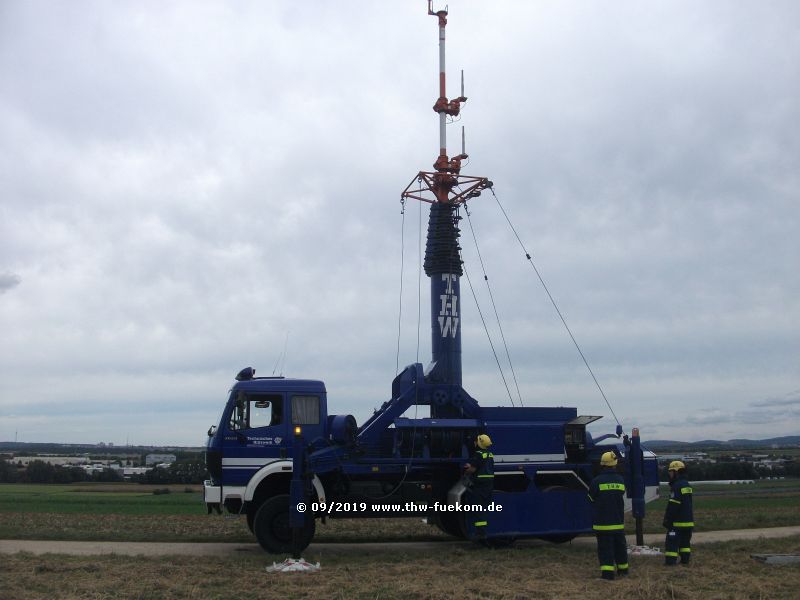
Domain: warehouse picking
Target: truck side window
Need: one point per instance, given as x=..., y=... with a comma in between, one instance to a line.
x=252, y=411
x=305, y=410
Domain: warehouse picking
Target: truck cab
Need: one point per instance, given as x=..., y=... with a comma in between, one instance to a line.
x=248, y=453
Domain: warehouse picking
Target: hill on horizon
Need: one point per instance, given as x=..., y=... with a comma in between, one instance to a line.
x=787, y=440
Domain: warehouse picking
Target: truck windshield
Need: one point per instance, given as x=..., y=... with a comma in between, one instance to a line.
x=256, y=410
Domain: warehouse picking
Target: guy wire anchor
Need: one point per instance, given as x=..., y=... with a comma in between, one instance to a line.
x=293, y=565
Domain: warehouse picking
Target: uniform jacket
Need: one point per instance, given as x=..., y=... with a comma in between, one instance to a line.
x=679, y=508
x=607, y=493
x=483, y=461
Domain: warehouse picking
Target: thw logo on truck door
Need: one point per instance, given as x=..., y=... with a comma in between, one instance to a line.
x=448, y=315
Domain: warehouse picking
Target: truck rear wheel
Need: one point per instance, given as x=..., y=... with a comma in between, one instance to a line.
x=503, y=541
x=271, y=526
x=452, y=524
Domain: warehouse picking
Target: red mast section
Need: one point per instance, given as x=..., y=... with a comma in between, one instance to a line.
x=446, y=184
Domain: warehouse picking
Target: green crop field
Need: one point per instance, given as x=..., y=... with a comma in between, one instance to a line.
x=120, y=499
x=769, y=503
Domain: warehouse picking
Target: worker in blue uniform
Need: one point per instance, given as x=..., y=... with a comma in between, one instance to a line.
x=606, y=493
x=480, y=471
x=679, y=516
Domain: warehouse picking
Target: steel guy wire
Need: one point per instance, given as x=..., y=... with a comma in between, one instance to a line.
x=552, y=300
x=494, y=305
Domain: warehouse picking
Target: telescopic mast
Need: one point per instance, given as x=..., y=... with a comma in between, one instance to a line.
x=445, y=189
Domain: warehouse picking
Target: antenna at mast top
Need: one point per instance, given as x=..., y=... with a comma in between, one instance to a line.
x=437, y=13
x=439, y=186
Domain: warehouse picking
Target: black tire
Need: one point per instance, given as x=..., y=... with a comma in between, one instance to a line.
x=500, y=542
x=452, y=524
x=271, y=527
x=251, y=516
x=557, y=538
x=455, y=524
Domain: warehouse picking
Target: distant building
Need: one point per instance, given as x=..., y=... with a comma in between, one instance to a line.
x=94, y=467
x=687, y=457
x=127, y=472
x=670, y=457
x=770, y=463
x=157, y=459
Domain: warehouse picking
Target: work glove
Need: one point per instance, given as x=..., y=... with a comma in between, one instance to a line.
x=666, y=524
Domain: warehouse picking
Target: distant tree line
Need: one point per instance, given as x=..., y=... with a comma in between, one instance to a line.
x=193, y=471
x=792, y=469
x=38, y=471
x=182, y=471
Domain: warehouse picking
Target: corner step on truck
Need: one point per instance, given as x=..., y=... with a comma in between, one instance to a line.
x=277, y=456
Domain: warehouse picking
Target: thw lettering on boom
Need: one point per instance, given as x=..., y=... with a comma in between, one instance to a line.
x=448, y=315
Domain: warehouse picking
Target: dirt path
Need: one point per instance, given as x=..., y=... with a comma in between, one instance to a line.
x=320, y=549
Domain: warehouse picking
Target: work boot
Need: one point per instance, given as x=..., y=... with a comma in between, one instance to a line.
x=607, y=575
x=622, y=572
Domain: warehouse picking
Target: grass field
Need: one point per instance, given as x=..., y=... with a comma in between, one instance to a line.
x=531, y=571
x=763, y=504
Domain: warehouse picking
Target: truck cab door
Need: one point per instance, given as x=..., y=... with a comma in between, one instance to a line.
x=256, y=434
x=307, y=412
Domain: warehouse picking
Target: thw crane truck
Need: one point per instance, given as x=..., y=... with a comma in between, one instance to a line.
x=281, y=459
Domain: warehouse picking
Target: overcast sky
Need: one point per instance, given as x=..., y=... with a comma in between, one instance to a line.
x=185, y=186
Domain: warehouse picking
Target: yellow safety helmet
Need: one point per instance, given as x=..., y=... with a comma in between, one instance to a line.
x=676, y=465
x=609, y=459
x=483, y=441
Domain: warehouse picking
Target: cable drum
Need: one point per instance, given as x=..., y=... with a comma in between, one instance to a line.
x=411, y=442
x=445, y=443
x=343, y=429
x=442, y=252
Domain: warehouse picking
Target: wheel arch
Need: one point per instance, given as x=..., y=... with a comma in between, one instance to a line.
x=274, y=479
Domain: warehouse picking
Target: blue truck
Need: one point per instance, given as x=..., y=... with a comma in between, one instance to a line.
x=395, y=466
x=278, y=457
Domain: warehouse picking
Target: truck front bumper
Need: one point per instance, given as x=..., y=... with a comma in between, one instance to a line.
x=212, y=494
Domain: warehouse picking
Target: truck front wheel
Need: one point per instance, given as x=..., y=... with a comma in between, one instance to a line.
x=271, y=526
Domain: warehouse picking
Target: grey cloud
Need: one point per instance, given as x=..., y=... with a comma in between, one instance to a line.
x=789, y=399
x=763, y=417
x=9, y=281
